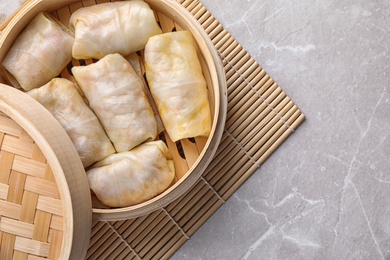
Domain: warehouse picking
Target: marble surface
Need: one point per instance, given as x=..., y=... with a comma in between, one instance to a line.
x=324, y=194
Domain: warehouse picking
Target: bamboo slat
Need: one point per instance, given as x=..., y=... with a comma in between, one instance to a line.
x=26, y=183
x=260, y=117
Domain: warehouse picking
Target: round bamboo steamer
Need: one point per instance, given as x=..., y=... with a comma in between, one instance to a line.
x=45, y=206
x=191, y=156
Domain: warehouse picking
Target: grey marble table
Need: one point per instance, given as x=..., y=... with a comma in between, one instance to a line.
x=324, y=194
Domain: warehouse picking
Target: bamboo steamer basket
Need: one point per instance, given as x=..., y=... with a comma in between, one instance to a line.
x=191, y=156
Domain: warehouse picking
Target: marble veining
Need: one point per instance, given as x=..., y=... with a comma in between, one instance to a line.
x=324, y=194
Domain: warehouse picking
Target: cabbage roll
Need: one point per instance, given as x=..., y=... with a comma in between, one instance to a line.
x=116, y=94
x=63, y=101
x=119, y=27
x=177, y=84
x=39, y=53
x=134, y=60
x=129, y=178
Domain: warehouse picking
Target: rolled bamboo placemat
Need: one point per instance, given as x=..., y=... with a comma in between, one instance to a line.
x=260, y=117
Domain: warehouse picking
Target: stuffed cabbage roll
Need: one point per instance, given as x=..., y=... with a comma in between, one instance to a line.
x=132, y=177
x=39, y=53
x=116, y=95
x=135, y=60
x=63, y=101
x=119, y=27
x=177, y=84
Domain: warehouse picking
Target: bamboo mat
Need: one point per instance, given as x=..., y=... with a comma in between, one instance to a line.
x=260, y=117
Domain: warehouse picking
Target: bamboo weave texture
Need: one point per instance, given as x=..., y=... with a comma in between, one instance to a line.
x=31, y=217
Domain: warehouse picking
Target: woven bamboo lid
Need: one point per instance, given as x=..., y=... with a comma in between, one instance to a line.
x=45, y=204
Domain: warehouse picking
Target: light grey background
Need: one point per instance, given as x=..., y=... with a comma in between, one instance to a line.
x=7, y=7
x=324, y=194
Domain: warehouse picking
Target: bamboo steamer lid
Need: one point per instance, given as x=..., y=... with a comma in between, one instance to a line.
x=45, y=204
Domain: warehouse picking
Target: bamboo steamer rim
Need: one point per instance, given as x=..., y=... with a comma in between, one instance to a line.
x=179, y=14
x=64, y=162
